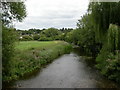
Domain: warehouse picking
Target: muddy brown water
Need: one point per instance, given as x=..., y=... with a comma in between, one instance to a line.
x=67, y=71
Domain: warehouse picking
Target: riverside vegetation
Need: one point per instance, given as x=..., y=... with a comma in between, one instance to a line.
x=32, y=55
x=97, y=33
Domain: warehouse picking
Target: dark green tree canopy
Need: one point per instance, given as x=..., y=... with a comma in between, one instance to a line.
x=105, y=13
x=102, y=15
x=51, y=32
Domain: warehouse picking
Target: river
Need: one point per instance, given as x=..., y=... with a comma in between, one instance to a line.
x=68, y=71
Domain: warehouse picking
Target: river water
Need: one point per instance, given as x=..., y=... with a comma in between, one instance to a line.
x=68, y=71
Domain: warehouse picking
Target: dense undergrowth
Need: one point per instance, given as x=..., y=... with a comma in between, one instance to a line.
x=32, y=58
x=108, y=60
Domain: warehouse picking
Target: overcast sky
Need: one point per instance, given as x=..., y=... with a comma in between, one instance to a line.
x=53, y=13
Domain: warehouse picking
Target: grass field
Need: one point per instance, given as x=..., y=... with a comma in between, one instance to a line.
x=32, y=55
x=26, y=45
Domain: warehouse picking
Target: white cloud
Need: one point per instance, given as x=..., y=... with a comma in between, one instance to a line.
x=53, y=13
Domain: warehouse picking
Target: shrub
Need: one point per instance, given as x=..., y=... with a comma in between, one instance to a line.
x=108, y=61
x=45, y=39
x=36, y=37
x=9, y=38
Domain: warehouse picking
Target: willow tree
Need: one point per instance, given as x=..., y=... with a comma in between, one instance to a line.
x=113, y=38
x=104, y=14
x=106, y=19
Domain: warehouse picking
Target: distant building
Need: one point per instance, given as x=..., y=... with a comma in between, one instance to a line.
x=21, y=37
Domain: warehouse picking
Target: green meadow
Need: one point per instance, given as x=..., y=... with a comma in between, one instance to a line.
x=26, y=45
x=33, y=55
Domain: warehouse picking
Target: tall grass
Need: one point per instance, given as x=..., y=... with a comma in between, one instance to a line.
x=34, y=55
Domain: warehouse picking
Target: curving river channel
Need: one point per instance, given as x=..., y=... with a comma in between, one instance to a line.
x=68, y=71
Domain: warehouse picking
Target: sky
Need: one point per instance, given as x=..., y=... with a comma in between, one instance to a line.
x=52, y=13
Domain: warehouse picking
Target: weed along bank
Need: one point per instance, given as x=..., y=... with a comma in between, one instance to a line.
x=32, y=55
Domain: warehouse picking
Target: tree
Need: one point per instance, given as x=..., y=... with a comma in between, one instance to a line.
x=104, y=14
x=51, y=33
x=36, y=37
x=106, y=19
x=9, y=37
x=11, y=11
x=88, y=38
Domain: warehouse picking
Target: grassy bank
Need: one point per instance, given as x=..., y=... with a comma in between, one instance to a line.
x=32, y=55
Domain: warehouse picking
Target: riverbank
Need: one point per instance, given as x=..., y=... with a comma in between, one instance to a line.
x=67, y=71
x=32, y=55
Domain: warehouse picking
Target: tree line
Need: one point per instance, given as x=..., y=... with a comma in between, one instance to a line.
x=49, y=34
x=98, y=32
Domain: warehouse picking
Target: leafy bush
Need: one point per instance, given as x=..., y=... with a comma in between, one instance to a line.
x=108, y=61
x=8, y=43
x=36, y=37
x=44, y=38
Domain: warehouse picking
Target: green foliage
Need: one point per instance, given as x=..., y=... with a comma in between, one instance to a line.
x=98, y=34
x=44, y=38
x=108, y=61
x=35, y=57
x=109, y=64
x=50, y=34
x=29, y=32
x=104, y=14
x=8, y=41
x=113, y=38
x=85, y=36
x=61, y=36
x=36, y=37
x=13, y=11
x=69, y=37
